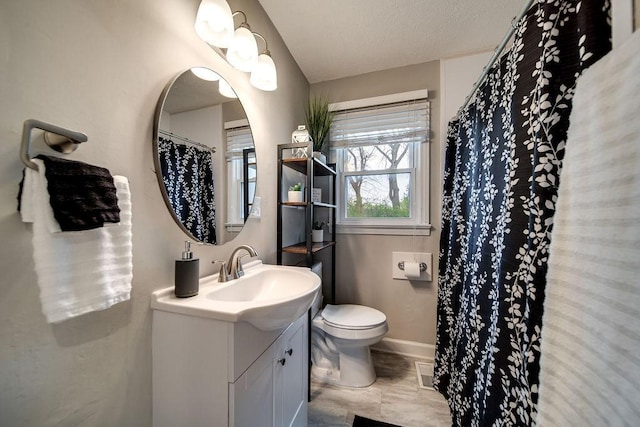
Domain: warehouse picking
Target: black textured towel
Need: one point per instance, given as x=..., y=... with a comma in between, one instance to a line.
x=82, y=196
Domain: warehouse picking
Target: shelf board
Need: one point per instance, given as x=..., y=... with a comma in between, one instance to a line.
x=303, y=204
x=297, y=164
x=301, y=248
x=324, y=205
x=323, y=169
x=300, y=165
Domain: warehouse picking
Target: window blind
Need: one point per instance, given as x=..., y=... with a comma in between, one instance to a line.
x=238, y=139
x=406, y=121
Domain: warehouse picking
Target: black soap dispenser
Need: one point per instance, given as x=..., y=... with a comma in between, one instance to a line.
x=187, y=274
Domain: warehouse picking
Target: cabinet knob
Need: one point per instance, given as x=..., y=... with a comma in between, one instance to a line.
x=289, y=352
x=282, y=361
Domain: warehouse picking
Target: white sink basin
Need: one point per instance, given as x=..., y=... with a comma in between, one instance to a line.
x=269, y=297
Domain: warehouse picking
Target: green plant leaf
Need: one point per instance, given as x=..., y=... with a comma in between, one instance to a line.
x=318, y=120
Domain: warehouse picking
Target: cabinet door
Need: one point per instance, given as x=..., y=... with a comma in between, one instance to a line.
x=251, y=396
x=290, y=380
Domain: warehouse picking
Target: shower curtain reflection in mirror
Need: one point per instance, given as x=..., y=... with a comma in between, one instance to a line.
x=187, y=172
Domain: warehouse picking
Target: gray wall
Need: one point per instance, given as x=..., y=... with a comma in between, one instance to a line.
x=99, y=67
x=364, y=261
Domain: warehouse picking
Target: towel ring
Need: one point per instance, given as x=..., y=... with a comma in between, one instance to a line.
x=60, y=139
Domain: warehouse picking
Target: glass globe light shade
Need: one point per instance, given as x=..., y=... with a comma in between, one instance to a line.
x=225, y=89
x=214, y=22
x=242, y=53
x=264, y=76
x=205, y=74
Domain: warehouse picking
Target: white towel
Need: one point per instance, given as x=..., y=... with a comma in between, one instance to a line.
x=590, y=350
x=35, y=196
x=78, y=271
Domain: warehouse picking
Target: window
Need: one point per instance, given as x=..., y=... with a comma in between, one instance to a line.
x=381, y=152
x=238, y=139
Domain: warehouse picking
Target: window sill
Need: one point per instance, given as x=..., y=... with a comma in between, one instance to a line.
x=387, y=230
x=233, y=228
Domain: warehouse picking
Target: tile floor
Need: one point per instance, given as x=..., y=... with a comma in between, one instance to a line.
x=395, y=398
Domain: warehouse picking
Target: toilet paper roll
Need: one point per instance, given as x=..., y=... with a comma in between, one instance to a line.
x=412, y=270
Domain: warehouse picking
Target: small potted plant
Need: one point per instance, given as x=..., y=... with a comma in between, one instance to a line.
x=295, y=192
x=317, y=233
x=318, y=120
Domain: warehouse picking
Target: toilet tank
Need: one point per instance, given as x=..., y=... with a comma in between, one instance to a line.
x=317, y=303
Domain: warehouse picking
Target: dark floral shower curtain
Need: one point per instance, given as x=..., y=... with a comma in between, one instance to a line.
x=502, y=167
x=188, y=178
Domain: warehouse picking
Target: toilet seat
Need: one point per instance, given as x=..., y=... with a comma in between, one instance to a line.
x=352, y=316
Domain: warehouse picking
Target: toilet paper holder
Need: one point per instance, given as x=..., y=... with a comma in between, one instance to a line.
x=423, y=266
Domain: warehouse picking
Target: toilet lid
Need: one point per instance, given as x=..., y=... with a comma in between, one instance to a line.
x=353, y=316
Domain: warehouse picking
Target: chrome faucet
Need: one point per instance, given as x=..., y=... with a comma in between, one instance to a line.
x=235, y=264
x=232, y=269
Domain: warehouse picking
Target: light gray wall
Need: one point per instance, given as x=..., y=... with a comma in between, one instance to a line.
x=99, y=67
x=364, y=261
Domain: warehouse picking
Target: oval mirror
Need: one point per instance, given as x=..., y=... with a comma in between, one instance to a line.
x=204, y=156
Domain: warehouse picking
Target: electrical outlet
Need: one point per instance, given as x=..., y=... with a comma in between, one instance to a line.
x=407, y=257
x=255, y=207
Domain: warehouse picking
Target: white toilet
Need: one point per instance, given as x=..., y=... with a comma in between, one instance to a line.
x=340, y=340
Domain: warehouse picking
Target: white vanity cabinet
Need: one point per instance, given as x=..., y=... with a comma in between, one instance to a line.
x=208, y=372
x=272, y=392
x=290, y=379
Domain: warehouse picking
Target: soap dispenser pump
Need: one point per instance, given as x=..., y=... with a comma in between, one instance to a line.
x=187, y=273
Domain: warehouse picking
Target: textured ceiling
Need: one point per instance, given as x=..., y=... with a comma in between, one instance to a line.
x=331, y=39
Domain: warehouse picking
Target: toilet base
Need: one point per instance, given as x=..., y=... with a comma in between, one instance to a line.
x=356, y=369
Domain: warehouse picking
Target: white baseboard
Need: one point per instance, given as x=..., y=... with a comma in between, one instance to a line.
x=406, y=348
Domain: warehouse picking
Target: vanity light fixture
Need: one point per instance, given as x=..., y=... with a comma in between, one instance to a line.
x=205, y=74
x=212, y=26
x=242, y=52
x=214, y=22
x=264, y=75
x=225, y=89
x=211, y=76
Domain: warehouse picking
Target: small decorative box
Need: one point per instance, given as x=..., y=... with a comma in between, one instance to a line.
x=316, y=195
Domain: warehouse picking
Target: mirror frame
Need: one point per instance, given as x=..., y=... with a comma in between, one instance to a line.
x=156, y=156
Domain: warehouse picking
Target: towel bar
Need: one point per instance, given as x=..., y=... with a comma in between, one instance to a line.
x=60, y=139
